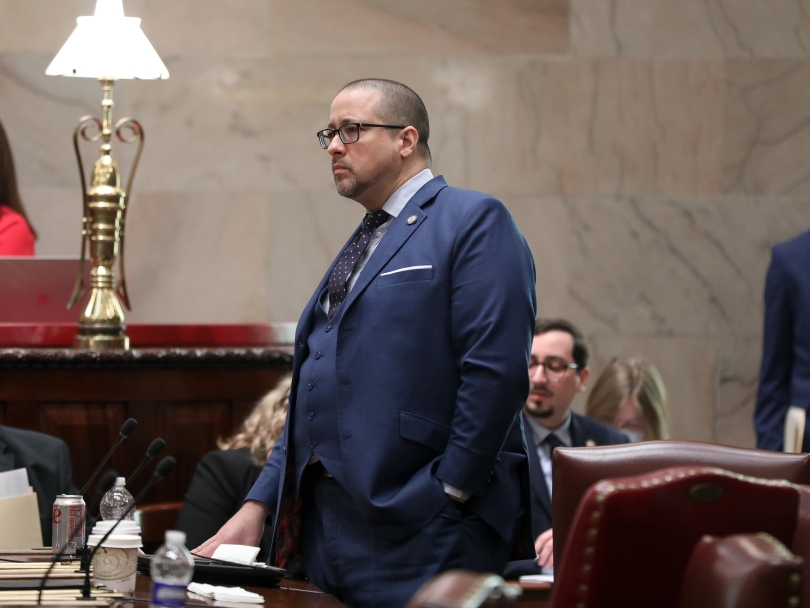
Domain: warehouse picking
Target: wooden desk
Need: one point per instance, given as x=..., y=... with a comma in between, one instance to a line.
x=190, y=396
x=535, y=595
x=289, y=594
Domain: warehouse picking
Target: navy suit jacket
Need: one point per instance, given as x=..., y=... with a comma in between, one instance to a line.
x=583, y=432
x=47, y=461
x=431, y=367
x=784, y=377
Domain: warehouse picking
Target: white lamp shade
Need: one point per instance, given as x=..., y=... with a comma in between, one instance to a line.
x=108, y=45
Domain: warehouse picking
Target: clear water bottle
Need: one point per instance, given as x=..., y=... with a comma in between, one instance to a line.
x=172, y=568
x=116, y=501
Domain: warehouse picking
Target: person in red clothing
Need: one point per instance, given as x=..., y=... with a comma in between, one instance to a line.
x=16, y=234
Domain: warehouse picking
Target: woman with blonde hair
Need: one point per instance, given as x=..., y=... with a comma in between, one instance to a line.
x=630, y=396
x=223, y=478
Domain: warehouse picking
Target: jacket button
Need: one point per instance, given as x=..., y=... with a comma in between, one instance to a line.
x=300, y=343
x=310, y=385
x=312, y=444
x=310, y=415
x=284, y=451
x=328, y=328
x=318, y=355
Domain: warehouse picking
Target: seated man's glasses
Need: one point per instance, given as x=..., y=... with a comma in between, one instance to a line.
x=348, y=133
x=554, y=369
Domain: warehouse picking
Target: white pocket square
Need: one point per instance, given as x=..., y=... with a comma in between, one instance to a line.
x=405, y=269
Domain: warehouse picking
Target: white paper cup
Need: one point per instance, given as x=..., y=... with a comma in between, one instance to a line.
x=116, y=561
x=125, y=527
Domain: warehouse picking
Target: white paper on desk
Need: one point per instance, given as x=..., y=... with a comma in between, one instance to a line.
x=537, y=578
x=14, y=483
x=236, y=554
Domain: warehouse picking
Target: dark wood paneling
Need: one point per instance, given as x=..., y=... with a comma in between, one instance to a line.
x=90, y=430
x=188, y=397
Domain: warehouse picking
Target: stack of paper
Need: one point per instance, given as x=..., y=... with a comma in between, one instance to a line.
x=19, y=511
x=226, y=594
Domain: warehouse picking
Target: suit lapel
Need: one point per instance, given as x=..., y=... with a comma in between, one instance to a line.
x=397, y=235
x=538, y=480
x=6, y=459
x=577, y=439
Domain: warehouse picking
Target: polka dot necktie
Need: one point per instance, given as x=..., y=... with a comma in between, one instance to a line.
x=344, y=267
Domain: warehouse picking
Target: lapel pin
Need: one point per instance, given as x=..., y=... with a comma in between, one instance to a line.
x=411, y=220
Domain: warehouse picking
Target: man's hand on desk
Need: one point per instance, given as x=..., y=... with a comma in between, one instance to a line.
x=244, y=528
x=544, y=546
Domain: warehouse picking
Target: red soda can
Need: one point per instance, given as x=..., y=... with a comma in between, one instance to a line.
x=68, y=524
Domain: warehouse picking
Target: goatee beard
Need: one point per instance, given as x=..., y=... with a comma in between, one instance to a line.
x=350, y=187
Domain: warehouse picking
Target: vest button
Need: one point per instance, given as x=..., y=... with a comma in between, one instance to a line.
x=328, y=328
x=310, y=415
x=310, y=385
x=312, y=444
x=318, y=355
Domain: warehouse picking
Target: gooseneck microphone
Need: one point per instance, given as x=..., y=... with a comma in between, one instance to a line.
x=126, y=431
x=103, y=486
x=163, y=468
x=155, y=448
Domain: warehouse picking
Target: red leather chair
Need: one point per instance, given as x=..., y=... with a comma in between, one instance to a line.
x=577, y=469
x=742, y=571
x=632, y=537
x=154, y=520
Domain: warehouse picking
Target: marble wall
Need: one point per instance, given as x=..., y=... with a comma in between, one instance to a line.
x=652, y=152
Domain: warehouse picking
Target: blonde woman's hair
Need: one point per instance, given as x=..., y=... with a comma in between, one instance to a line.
x=635, y=378
x=263, y=426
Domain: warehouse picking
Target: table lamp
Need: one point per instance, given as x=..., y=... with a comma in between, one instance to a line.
x=107, y=46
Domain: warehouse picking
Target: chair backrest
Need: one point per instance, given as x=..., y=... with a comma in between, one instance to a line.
x=632, y=537
x=577, y=469
x=742, y=571
x=154, y=520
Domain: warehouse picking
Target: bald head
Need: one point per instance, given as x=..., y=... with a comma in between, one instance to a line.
x=398, y=105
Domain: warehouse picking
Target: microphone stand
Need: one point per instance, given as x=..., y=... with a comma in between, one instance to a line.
x=126, y=431
x=105, y=484
x=164, y=468
x=155, y=448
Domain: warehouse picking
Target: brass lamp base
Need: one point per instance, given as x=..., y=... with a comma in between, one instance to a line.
x=101, y=338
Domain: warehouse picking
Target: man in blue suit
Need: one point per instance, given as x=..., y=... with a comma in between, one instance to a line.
x=784, y=377
x=558, y=372
x=403, y=454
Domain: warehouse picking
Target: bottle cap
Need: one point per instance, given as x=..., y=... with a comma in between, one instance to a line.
x=120, y=481
x=175, y=537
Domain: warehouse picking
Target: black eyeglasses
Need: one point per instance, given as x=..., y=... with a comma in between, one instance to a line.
x=348, y=133
x=554, y=368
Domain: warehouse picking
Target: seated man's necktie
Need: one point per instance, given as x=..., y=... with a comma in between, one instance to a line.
x=347, y=262
x=553, y=442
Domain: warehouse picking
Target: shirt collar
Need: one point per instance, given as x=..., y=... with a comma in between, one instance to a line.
x=405, y=192
x=540, y=432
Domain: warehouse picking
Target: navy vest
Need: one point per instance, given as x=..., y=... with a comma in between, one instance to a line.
x=315, y=427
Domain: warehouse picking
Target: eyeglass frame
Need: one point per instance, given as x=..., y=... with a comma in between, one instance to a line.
x=533, y=367
x=339, y=131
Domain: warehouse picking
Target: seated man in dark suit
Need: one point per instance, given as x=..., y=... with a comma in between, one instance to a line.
x=558, y=371
x=47, y=461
